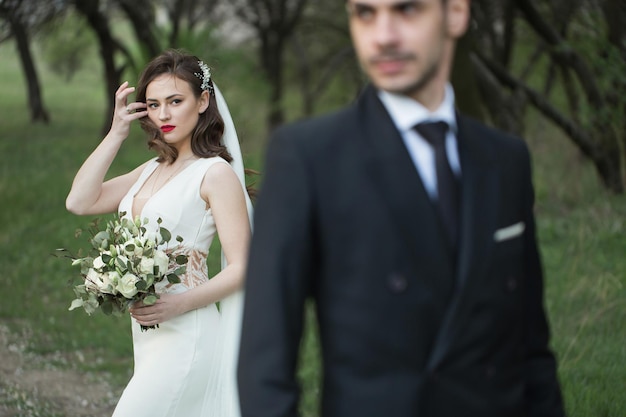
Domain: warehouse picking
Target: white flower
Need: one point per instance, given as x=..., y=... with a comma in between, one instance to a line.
x=93, y=280
x=161, y=260
x=113, y=278
x=97, y=281
x=126, y=285
x=146, y=266
x=98, y=263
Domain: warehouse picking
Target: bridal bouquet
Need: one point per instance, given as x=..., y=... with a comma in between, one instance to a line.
x=123, y=265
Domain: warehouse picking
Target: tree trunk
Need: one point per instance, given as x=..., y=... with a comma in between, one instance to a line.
x=99, y=23
x=609, y=167
x=614, y=12
x=272, y=62
x=38, y=112
x=141, y=16
x=304, y=75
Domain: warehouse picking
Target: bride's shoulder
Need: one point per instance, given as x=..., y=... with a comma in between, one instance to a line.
x=209, y=162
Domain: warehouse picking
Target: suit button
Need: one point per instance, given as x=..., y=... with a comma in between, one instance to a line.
x=397, y=282
x=490, y=372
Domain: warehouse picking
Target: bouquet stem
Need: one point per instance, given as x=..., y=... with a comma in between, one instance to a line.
x=146, y=328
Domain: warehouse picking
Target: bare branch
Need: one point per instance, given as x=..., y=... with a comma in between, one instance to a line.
x=573, y=130
x=561, y=52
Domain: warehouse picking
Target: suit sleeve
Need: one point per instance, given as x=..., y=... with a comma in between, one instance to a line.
x=543, y=394
x=277, y=284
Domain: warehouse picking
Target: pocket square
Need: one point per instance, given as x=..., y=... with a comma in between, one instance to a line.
x=509, y=232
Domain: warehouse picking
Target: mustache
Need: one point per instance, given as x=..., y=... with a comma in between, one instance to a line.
x=392, y=56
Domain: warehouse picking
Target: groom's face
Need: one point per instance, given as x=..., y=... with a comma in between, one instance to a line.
x=403, y=45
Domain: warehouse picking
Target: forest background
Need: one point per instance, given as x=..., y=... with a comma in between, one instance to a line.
x=553, y=72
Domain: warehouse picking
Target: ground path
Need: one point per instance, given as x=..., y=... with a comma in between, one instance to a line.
x=33, y=386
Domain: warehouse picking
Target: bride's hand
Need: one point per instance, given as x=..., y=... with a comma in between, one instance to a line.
x=125, y=113
x=166, y=307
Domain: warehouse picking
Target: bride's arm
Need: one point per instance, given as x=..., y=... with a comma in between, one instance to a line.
x=89, y=193
x=222, y=189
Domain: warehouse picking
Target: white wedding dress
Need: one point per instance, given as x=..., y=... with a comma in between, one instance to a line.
x=186, y=366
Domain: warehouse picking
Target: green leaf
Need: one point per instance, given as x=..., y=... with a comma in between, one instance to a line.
x=107, y=307
x=141, y=285
x=181, y=259
x=149, y=300
x=91, y=305
x=80, y=290
x=76, y=303
x=165, y=234
x=149, y=280
x=179, y=239
x=173, y=278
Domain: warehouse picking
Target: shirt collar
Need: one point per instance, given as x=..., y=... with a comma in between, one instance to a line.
x=407, y=112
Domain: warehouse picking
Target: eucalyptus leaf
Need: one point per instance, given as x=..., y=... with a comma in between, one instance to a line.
x=149, y=300
x=165, y=234
x=107, y=307
x=76, y=303
x=173, y=278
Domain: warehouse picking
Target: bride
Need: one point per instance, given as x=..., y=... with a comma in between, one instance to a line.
x=195, y=184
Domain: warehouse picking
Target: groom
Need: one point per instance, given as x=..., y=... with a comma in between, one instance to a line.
x=411, y=228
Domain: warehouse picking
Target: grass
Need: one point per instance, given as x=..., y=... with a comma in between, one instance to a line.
x=581, y=231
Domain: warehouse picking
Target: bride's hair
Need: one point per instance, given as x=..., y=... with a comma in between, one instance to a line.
x=206, y=137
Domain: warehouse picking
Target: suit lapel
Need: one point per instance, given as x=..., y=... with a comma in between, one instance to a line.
x=479, y=205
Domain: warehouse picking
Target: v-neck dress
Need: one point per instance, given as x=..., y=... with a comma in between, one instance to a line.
x=176, y=366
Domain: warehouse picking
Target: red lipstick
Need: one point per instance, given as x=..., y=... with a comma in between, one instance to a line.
x=167, y=128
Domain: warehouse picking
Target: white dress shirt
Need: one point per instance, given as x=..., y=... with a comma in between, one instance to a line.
x=406, y=113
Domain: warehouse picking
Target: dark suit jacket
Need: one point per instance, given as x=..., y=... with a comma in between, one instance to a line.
x=406, y=328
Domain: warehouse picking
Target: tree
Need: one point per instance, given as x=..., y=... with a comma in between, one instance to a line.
x=322, y=56
x=582, y=51
x=20, y=18
x=142, y=17
x=273, y=21
x=109, y=46
x=187, y=16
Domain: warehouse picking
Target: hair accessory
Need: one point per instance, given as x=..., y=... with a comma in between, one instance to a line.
x=205, y=76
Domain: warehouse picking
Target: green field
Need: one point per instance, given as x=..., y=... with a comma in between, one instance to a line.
x=581, y=231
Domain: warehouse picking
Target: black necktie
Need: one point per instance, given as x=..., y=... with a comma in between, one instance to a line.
x=447, y=184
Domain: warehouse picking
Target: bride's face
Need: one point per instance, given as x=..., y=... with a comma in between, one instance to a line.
x=174, y=108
